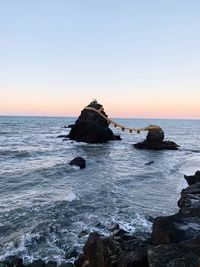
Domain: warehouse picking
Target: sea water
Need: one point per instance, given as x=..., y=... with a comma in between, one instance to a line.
x=45, y=203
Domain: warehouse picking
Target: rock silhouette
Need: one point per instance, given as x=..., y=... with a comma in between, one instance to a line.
x=90, y=127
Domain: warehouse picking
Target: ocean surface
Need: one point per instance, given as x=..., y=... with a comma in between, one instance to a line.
x=45, y=203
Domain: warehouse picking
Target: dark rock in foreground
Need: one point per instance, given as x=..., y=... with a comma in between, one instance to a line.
x=119, y=251
x=79, y=161
x=174, y=242
x=176, y=239
x=191, y=179
x=91, y=127
x=155, y=141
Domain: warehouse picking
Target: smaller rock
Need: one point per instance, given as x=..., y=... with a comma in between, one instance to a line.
x=155, y=136
x=78, y=161
x=62, y=136
x=119, y=232
x=117, y=137
x=149, y=163
x=83, y=233
x=71, y=252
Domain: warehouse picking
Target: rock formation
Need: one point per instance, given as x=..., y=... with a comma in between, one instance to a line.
x=174, y=241
x=155, y=141
x=118, y=250
x=91, y=127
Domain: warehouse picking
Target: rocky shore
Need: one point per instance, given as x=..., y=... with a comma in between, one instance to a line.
x=174, y=241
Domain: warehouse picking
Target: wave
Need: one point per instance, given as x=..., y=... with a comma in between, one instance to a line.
x=15, y=153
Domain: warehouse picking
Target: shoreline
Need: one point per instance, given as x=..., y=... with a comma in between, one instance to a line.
x=174, y=241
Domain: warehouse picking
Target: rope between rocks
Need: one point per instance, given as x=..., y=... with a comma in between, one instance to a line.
x=123, y=128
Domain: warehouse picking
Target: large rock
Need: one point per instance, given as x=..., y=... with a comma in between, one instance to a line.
x=119, y=251
x=155, y=141
x=91, y=127
x=174, y=242
x=175, y=239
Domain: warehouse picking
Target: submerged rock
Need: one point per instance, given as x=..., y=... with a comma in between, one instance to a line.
x=78, y=161
x=155, y=141
x=91, y=127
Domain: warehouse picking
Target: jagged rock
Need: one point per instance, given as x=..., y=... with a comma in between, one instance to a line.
x=175, y=239
x=90, y=127
x=71, y=252
x=191, y=179
x=83, y=233
x=173, y=255
x=155, y=141
x=189, y=203
x=102, y=251
x=78, y=161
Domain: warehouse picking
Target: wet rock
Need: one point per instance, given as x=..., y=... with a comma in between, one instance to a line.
x=12, y=261
x=62, y=136
x=70, y=126
x=102, y=251
x=172, y=256
x=155, y=141
x=113, y=227
x=37, y=263
x=78, y=161
x=149, y=163
x=191, y=179
x=117, y=137
x=119, y=232
x=71, y=252
x=175, y=239
x=83, y=233
x=91, y=127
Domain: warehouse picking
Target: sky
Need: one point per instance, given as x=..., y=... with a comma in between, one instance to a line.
x=139, y=59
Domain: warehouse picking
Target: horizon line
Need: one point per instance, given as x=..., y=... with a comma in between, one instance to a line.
x=114, y=117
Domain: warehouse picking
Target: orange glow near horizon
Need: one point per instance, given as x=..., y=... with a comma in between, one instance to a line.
x=118, y=106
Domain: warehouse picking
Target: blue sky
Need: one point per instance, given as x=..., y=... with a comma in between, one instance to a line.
x=58, y=55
